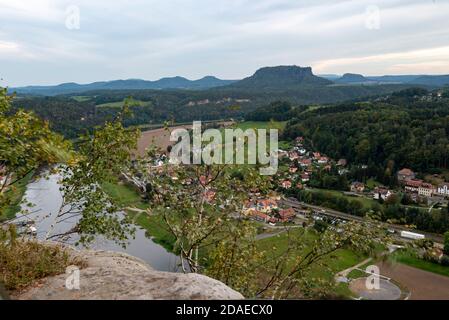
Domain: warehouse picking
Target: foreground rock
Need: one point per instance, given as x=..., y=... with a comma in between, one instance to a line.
x=112, y=275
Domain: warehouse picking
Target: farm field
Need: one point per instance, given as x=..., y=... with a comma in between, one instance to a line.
x=408, y=258
x=119, y=104
x=423, y=285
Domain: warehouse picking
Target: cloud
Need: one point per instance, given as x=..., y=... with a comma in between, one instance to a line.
x=226, y=38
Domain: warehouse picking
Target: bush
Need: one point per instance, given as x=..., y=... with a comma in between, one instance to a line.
x=22, y=262
x=445, y=261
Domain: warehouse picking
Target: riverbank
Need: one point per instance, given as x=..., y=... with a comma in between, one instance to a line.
x=15, y=193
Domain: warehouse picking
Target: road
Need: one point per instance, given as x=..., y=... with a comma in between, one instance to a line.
x=345, y=216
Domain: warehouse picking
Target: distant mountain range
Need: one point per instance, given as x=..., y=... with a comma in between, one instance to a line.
x=130, y=84
x=271, y=79
x=424, y=80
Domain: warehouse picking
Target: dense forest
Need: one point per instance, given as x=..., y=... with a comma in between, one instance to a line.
x=278, y=111
x=407, y=129
x=71, y=114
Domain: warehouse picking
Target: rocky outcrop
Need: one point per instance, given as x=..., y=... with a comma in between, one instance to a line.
x=112, y=275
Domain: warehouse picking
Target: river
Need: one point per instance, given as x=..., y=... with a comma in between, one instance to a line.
x=43, y=193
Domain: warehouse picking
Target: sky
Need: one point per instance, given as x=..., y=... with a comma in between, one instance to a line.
x=54, y=41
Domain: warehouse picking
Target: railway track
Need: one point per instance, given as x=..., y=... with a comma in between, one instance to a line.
x=345, y=216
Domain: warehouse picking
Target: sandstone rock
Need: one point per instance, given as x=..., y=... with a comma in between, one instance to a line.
x=112, y=275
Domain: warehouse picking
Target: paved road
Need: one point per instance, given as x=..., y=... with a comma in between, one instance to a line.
x=337, y=214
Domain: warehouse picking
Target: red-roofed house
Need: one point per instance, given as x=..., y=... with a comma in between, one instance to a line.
x=260, y=216
x=305, y=177
x=305, y=163
x=413, y=185
x=287, y=215
x=405, y=175
x=286, y=184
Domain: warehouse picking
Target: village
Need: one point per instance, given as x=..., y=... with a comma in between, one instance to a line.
x=300, y=164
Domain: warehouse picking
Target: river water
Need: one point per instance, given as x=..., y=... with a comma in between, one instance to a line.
x=46, y=198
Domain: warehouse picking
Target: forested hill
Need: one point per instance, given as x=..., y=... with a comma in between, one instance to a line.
x=129, y=84
x=71, y=114
x=407, y=129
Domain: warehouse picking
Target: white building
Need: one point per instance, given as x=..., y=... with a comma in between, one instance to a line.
x=426, y=190
x=443, y=189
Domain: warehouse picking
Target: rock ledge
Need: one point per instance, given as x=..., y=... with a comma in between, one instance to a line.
x=118, y=276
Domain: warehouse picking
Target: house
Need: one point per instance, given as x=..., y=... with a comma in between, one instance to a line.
x=260, y=216
x=405, y=175
x=302, y=151
x=292, y=169
x=286, y=184
x=443, y=189
x=287, y=215
x=293, y=156
x=305, y=177
x=413, y=185
x=305, y=162
x=323, y=160
x=357, y=186
x=343, y=171
x=342, y=163
x=266, y=205
x=316, y=155
x=426, y=189
x=381, y=193
x=299, y=140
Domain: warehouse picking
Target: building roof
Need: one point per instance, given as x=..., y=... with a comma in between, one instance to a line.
x=406, y=172
x=287, y=213
x=260, y=215
x=426, y=185
x=414, y=183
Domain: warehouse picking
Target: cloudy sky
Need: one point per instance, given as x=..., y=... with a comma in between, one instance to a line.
x=46, y=42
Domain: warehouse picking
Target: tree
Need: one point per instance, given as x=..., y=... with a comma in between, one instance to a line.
x=101, y=158
x=26, y=143
x=197, y=203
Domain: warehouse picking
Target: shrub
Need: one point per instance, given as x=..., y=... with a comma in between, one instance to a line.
x=22, y=261
x=445, y=261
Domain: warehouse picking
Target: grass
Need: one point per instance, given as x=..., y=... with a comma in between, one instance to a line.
x=81, y=98
x=261, y=125
x=411, y=259
x=119, y=104
x=367, y=203
x=329, y=266
x=15, y=194
x=124, y=195
x=340, y=260
x=355, y=274
x=23, y=262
